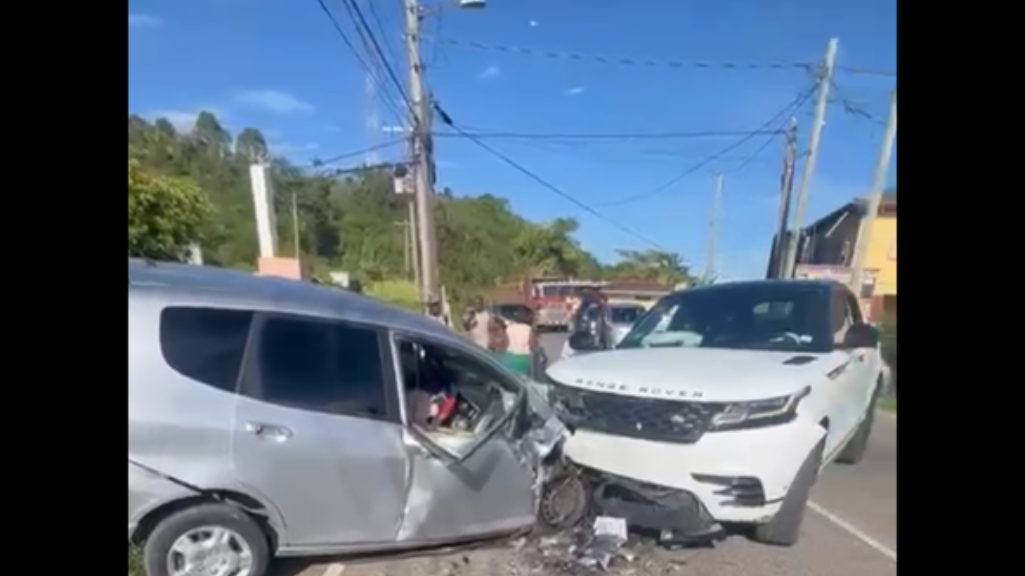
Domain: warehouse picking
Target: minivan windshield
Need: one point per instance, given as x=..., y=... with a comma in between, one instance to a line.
x=784, y=316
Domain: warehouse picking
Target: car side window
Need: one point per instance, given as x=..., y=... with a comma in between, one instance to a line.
x=853, y=308
x=205, y=344
x=320, y=365
x=447, y=389
x=842, y=318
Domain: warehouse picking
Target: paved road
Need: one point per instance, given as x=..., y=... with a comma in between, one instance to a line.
x=851, y=530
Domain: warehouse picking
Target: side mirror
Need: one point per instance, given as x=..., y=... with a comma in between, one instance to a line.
x=861, y=336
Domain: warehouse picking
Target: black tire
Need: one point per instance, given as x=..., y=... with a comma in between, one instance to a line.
x=785, y=527
x=565, y=503
x=170, y=529
x=855, y=449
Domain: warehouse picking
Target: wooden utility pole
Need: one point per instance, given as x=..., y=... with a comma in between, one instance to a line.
x=867, y=223
x=421, y=163
x=786, y=190
x=825, y=79
x=713, y=231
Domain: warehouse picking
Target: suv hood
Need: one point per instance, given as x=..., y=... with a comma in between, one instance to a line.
x=706, y=374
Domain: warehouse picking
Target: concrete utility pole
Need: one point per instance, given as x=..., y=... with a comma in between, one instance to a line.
x=786, y=190
x=866, y=225
x=825, y=79
x=420, y=161
x=713, y=230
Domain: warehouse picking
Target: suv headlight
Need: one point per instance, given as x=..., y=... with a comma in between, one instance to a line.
x=759, y=413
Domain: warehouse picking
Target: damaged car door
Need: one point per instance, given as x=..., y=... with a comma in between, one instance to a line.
x=318, y=433
x=469, y=476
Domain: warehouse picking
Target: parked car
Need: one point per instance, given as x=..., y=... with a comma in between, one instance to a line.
x=722, y=405
x=622, y=316
x=274, y=417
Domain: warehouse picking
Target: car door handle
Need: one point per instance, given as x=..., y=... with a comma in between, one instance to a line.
x=268, y=431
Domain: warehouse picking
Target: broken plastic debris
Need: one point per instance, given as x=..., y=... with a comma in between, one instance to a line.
x=605, y=543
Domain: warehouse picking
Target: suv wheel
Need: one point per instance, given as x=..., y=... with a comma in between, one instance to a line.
x=785, y=527
x=207, y=539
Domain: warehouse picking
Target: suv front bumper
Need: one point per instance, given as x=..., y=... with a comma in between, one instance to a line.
x=739, y=476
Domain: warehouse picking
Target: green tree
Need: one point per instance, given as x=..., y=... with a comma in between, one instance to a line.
x=165, y=215
x=656, y=265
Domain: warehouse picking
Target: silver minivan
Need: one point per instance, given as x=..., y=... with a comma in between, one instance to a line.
x=274, y=417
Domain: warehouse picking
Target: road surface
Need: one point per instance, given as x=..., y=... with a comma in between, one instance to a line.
x=850, y=530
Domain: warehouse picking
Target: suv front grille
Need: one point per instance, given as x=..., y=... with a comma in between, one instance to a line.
x=646, y=418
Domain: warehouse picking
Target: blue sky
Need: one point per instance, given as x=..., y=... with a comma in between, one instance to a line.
x=278, y=65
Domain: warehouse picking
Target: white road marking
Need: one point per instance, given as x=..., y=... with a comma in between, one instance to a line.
x=853, y=530
x=335, y=569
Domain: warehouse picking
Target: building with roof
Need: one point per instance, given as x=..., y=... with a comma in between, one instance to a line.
x=826, y=249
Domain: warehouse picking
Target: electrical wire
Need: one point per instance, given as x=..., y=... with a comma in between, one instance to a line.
x=624, y=61
x=368, y=36
x=387, y=97
x=783, y=114
x=319, y=162
x=447, y=120
x=610, y=135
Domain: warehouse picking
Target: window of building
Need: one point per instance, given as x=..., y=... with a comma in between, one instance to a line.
x=205, y=344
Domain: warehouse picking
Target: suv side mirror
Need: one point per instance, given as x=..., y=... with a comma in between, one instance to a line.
x=861, y=336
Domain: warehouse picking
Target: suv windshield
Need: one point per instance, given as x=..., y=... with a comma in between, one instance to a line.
x=783, y=316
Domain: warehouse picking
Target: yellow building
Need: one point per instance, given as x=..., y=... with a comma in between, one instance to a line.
x=829, y=243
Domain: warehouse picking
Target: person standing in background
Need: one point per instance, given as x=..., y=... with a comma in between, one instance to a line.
x=435, y=312
x=498, y=344
x=476, y=321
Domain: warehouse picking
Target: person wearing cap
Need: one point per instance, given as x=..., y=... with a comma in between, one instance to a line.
x=436, y=311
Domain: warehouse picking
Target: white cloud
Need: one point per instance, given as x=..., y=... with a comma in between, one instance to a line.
x=274, y=101
x=492, y=71
x=575, y=91
x=140, y=20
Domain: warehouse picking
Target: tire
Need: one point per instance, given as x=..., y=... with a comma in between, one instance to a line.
x=785, y=527
x=157, y=551
x=565, y=503
x=855, y=449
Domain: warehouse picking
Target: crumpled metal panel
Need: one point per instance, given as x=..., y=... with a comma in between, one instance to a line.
x=490, y=492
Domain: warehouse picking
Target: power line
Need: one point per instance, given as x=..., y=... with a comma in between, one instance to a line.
x=319, y=162
x=389, y=100
x=625, y=61
x=866, y=71
x=780, y=116
x=447, y=120
x=611, y=135
x=368, y=35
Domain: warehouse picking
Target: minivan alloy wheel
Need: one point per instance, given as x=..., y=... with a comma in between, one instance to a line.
x=210, y=551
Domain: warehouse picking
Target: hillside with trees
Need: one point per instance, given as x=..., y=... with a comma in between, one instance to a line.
x=194, y=187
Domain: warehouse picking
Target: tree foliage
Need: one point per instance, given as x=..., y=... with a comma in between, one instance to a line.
x=352, y=220
x=165, y=215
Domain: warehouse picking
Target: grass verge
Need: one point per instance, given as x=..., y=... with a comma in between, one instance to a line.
x=135, y=563
x=887, y=405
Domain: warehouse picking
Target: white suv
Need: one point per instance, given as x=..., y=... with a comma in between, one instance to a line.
x=722, y=405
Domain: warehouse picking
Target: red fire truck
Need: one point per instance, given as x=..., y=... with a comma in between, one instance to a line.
x=552, y=297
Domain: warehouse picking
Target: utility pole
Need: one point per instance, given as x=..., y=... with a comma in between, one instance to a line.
x=786, y=190
x=866, y=225
x=825, y=79
x=421, y=162
x=713, y=230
